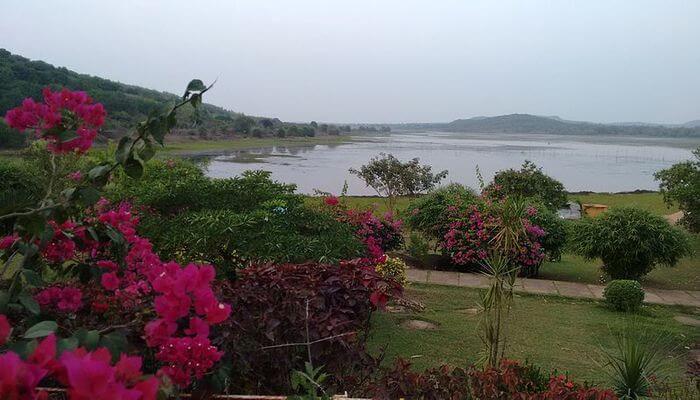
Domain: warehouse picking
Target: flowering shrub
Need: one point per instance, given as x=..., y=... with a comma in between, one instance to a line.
x=378, y=234
x=510, y=380
x=469, y=239
x=393, y=268
x=232, y=222
x=429, y=214
x=67, y=120
x=271, y=309
x=110, y=291
x=86, y=375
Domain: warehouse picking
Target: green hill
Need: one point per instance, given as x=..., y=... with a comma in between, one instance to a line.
x=526, y=123
x=126, y=104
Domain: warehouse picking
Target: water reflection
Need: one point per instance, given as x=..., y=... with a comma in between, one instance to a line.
x=581, y=163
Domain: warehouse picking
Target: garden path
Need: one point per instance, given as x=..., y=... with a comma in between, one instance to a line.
x=545, y=286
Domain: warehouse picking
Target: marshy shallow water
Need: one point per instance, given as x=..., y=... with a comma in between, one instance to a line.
x=601, y=164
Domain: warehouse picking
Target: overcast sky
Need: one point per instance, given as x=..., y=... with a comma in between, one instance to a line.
x=383, y=60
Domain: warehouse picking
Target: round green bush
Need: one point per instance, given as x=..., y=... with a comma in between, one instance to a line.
x=624, y=295
x=528, y=182
x=630, y=242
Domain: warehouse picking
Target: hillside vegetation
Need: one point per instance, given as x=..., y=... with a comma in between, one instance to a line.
x=526, y=123
x=128, y=104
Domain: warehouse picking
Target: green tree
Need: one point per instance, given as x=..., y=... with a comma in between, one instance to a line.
x=243, y=124
x=680, y=184
x=390, y=177
x=528, y=182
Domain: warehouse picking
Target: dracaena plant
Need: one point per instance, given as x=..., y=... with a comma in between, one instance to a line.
x=77, y=273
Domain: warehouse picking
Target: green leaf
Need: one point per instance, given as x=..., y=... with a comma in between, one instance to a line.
x=133, y=167
x=115, y=342
x=91, y=340
x=147, y=151
x=33, y=224
x=99, y=174
x=32, y=278
x=43, y=328
x=29, y=303
x=123, y=148
x=70, y=343
x=195, y=85
x=88, y=196
x=66, y=135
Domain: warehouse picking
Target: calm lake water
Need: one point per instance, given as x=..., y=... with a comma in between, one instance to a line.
x=602, y=164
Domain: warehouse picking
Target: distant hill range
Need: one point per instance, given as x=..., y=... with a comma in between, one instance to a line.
x=526, y=123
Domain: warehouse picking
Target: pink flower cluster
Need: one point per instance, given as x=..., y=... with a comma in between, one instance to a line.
x=470, y=233
x=66, y=299
x=176, y=293
x=468, y=238
x=64, y=111
x=8, y=241
x=86, y=375
x=180, y=293
x=377, y=234
x=187, y=357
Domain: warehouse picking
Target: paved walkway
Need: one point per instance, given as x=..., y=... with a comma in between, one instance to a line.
x=545, y=286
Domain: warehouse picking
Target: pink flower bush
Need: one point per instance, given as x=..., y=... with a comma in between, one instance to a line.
x=378, y=235
x=142, y=281
x=468, y=239
x=71, y=113
x=86, y=375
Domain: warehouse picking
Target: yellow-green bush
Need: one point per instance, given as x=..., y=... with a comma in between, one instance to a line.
x=393, y=268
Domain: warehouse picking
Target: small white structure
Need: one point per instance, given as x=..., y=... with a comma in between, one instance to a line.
x=571, y=211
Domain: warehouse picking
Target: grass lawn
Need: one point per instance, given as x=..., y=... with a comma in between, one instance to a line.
x=685, y=275
x=552, y=332
x=653, y=202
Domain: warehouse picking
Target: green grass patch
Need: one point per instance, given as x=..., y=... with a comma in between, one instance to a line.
x=553, y=332
x=685, y=275
x=653, y=202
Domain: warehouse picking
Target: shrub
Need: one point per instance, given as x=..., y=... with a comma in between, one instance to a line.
x=629, y=241
x=555, y=238
x=681, y=184
x=624, y=295
x=418, y=247
x=271, y=303
x=390, y=177
x=528, y=182
x=232, y=222
x=378, y=234
x=393, y=268
x=509, y=380
x=429, y=214
x=473, y=233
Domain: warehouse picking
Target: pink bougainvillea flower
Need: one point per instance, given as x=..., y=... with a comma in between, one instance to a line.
x=331, y=200
x=66, y=299
x=75, y=176
x=110, y=281
x=18, y=379
x=7, y=241
x=62, y=111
